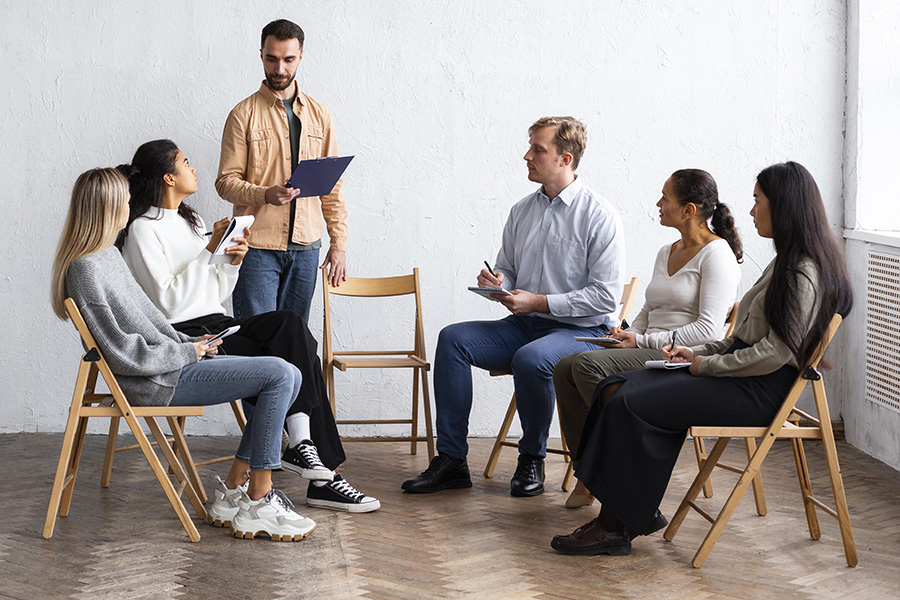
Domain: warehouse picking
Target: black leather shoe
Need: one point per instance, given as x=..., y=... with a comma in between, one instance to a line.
x=529, y=477
x=444, y=472
x=659, y=521
x=591, y=539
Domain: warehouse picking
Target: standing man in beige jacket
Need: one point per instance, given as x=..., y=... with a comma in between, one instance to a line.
x=265, y=136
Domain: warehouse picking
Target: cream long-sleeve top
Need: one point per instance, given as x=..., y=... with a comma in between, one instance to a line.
x=171, y=263
x=767, y=352
x=695, y=300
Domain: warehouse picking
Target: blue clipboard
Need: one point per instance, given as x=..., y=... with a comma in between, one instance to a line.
x=318, y=176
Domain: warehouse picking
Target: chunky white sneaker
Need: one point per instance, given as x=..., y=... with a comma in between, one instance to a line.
x=272, y=514
x=340, y=495
x=225, y=505
x=304, y=459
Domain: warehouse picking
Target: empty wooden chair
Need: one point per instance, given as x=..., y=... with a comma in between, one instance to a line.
x=414, y=359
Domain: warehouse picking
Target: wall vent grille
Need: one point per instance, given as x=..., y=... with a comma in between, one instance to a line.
x=883, y=330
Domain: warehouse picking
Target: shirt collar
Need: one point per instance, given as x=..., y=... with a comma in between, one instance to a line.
x=273, y=100
x=569, y=192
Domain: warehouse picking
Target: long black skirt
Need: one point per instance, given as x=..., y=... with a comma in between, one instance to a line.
x=629, y=447
x=284, y=334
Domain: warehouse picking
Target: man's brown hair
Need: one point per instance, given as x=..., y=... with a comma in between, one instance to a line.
x=570, y=135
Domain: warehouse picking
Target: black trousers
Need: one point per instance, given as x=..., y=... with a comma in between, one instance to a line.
x=629, y=447
x=284, y=334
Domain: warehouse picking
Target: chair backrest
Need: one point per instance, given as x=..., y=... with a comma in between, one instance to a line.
x=97, y=362
x=730, y=320
x=628, y=293
x=380, y=287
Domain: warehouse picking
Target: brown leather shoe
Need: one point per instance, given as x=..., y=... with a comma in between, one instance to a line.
x=591, y=539
x=659, y=521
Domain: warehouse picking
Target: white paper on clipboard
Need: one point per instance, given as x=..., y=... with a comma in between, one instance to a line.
x=235, y=229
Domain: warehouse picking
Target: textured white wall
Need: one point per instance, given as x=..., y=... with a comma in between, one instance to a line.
x=434, y=99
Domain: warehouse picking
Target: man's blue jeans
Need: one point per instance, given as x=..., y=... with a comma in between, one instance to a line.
x=275, y=280
x=529, y=347
x=221, y=379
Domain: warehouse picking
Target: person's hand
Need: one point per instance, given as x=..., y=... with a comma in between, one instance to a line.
x=627, y=337
x=204, y=349
x=486, y=280
x=336, y=261
x=695, y=366
x=523, y=303
x=239, y=251
x=678, y=355
x=218, y=231
x=279, y=195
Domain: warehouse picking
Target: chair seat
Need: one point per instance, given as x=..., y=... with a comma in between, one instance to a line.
x=379, y=362
x=789, y=430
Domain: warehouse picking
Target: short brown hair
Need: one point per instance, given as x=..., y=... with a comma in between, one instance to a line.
x=570, y=135
x=282, y=29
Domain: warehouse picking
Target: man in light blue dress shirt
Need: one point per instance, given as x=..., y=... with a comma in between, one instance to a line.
x=562, y=259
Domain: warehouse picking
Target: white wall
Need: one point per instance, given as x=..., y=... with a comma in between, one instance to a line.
x=434, y=99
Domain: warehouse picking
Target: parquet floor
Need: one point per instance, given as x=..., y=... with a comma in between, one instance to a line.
x=125, y=542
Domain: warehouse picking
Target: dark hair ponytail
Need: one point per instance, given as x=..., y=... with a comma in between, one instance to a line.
x=151, y=161
x=723, y=226
x=698, y=187
x=801, y=232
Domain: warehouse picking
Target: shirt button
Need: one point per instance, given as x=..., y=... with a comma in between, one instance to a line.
x=286, y=135
x=541, y=249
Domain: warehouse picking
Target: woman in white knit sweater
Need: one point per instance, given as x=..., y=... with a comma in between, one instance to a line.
x=166, y=250
x=693, y=288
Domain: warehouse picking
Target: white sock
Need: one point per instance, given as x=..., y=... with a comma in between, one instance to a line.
x=320, y=483
x=298, y=428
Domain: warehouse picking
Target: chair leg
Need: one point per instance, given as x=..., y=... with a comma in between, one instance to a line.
x=570, y=466
x=63, y=466
x=745, y=480
x=174, y=464
x=834, y=472
x=109, y=456
x=812, y=520
x=699, y=480
x=501, y=437
x=181, y=449
x=77, y=447
x=700, y=451
x=239, y=414
x=426, y=399
x=414, y=426
x=163, y=479
x=759, y=494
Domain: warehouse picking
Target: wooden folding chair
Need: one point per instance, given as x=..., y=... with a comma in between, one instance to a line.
x=785, y=425
x=86, y=404
x=628, y=293
x=759, y=495
x=414, y=359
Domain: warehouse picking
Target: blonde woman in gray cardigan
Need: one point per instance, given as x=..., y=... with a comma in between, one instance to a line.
x=636, y=426
x=156, y=365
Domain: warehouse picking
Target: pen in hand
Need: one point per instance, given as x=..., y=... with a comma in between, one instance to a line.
x=674, y=339
x=491, y=271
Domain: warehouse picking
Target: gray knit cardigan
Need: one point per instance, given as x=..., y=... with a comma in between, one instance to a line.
x=142, y=349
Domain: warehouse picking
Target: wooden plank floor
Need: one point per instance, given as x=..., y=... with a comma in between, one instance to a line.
x=125, y=542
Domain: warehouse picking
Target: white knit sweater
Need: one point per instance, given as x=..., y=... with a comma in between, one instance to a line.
x=171, y=263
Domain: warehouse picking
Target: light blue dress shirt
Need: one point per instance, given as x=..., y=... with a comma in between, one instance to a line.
x=571, y=249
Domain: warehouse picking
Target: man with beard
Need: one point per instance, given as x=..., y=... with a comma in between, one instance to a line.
x=265, y=136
